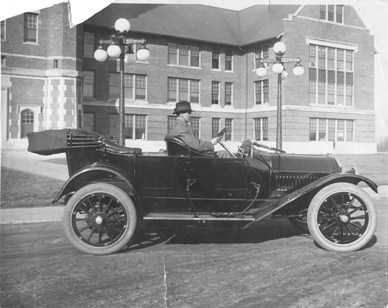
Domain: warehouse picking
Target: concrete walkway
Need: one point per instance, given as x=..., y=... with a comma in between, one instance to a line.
x=43, y=165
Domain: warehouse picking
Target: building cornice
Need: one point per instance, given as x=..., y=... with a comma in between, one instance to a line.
x=214, y=109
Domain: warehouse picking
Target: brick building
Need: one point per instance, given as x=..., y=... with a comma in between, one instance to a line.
x=204, y=54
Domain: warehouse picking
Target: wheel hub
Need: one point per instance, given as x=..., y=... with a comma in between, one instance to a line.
x=343, y=218
x=99, y=219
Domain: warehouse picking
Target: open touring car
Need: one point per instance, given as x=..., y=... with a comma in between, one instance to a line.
x=112, y=190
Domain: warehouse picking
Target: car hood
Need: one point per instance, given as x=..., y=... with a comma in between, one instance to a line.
x=304, y=163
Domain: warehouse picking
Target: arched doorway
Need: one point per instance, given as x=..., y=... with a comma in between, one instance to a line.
x=27, y=122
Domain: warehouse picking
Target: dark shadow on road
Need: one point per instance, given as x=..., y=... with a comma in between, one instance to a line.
x=212, y=233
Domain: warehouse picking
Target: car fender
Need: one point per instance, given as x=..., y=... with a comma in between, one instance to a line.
x=313, y=188
x=99, y=173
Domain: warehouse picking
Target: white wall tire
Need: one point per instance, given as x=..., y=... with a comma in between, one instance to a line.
x=342, y=217
x=100, y=219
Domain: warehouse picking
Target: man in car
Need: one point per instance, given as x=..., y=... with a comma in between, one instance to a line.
x=184, y=131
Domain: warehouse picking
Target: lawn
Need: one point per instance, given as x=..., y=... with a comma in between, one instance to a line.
x=21, y=189
x=372, y=166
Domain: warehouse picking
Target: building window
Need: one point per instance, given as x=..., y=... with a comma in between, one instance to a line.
x=89, y=44
x=183, y=55
x=215, y=127
x=194, y=123
x=182, y=89
x=3, y=30
x=261, y=92
x=215, y=92
x=216, y=59
x=89, y=121
x=138, y=92
x=140, y=87
x=89, y=82
x=229, y=129
x=228, y=60
x=194, y=56
x=331, y=83
x=170, y=124
x=31, y=27
x=135, y=126
x=228, y=93
x=330, y=12
x=334, y=13
x=261, y=54
x=322, y=129
x=339, y=13
x=261, y=129
x=172, y=54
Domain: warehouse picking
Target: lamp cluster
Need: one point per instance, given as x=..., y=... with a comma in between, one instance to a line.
x=278, y=66
x=121, y=45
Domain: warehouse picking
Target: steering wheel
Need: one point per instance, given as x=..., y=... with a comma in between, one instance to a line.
x=221, y=133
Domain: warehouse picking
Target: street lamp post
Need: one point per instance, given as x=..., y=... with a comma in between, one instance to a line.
x=278, y=68
x=121, y=47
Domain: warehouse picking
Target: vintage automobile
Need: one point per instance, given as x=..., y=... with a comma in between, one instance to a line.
x=113, y=190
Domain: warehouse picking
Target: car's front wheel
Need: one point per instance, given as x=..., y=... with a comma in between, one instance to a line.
x=342, y=217
x=100, y=219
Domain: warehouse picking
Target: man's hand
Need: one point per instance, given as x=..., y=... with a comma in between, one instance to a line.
x=215, y=140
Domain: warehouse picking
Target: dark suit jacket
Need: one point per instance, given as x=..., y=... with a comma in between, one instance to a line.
x=189, y=136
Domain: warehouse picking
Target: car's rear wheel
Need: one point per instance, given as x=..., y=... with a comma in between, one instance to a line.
x=100, y=219
x=342, y=217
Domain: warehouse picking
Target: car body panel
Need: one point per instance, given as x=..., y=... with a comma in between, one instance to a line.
x=184, y=184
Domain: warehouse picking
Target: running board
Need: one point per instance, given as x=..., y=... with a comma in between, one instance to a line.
x=191, y=217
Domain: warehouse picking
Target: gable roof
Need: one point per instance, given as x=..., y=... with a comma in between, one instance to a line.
x=199, y=22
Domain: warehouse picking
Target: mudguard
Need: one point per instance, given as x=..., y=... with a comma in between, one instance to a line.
x=274, y=205
x=94, y=173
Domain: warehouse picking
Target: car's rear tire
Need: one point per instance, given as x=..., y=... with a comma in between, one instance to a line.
x=100, y=219
x=342, y=217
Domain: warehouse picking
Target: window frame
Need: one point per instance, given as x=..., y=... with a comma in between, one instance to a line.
x=173, y=86
x=228, y=60
x=216, y=122
x=227, y=95
x=332, y=13
x=130, y=84
x=177, y=52
x=260, y=128
x=216, y=59
x=335, y=130
x=261, y=53
x=215, y=88
x=90, y=43
x=263, y=86
x=3, y=26
x=229, y=129
x=131, y=132
x=27, y=27
x=331, y=79
x=86, y=90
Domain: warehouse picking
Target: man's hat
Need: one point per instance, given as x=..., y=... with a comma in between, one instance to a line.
x=182, y=106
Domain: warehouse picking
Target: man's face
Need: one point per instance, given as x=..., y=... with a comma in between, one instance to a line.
x=185, y=116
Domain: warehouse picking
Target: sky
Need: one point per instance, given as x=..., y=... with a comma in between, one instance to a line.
x=374, y=14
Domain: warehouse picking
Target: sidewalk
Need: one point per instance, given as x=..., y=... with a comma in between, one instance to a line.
x=38, y=164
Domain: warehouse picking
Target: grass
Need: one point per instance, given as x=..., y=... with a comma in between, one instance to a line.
x=21, y=189
x=372, y=166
